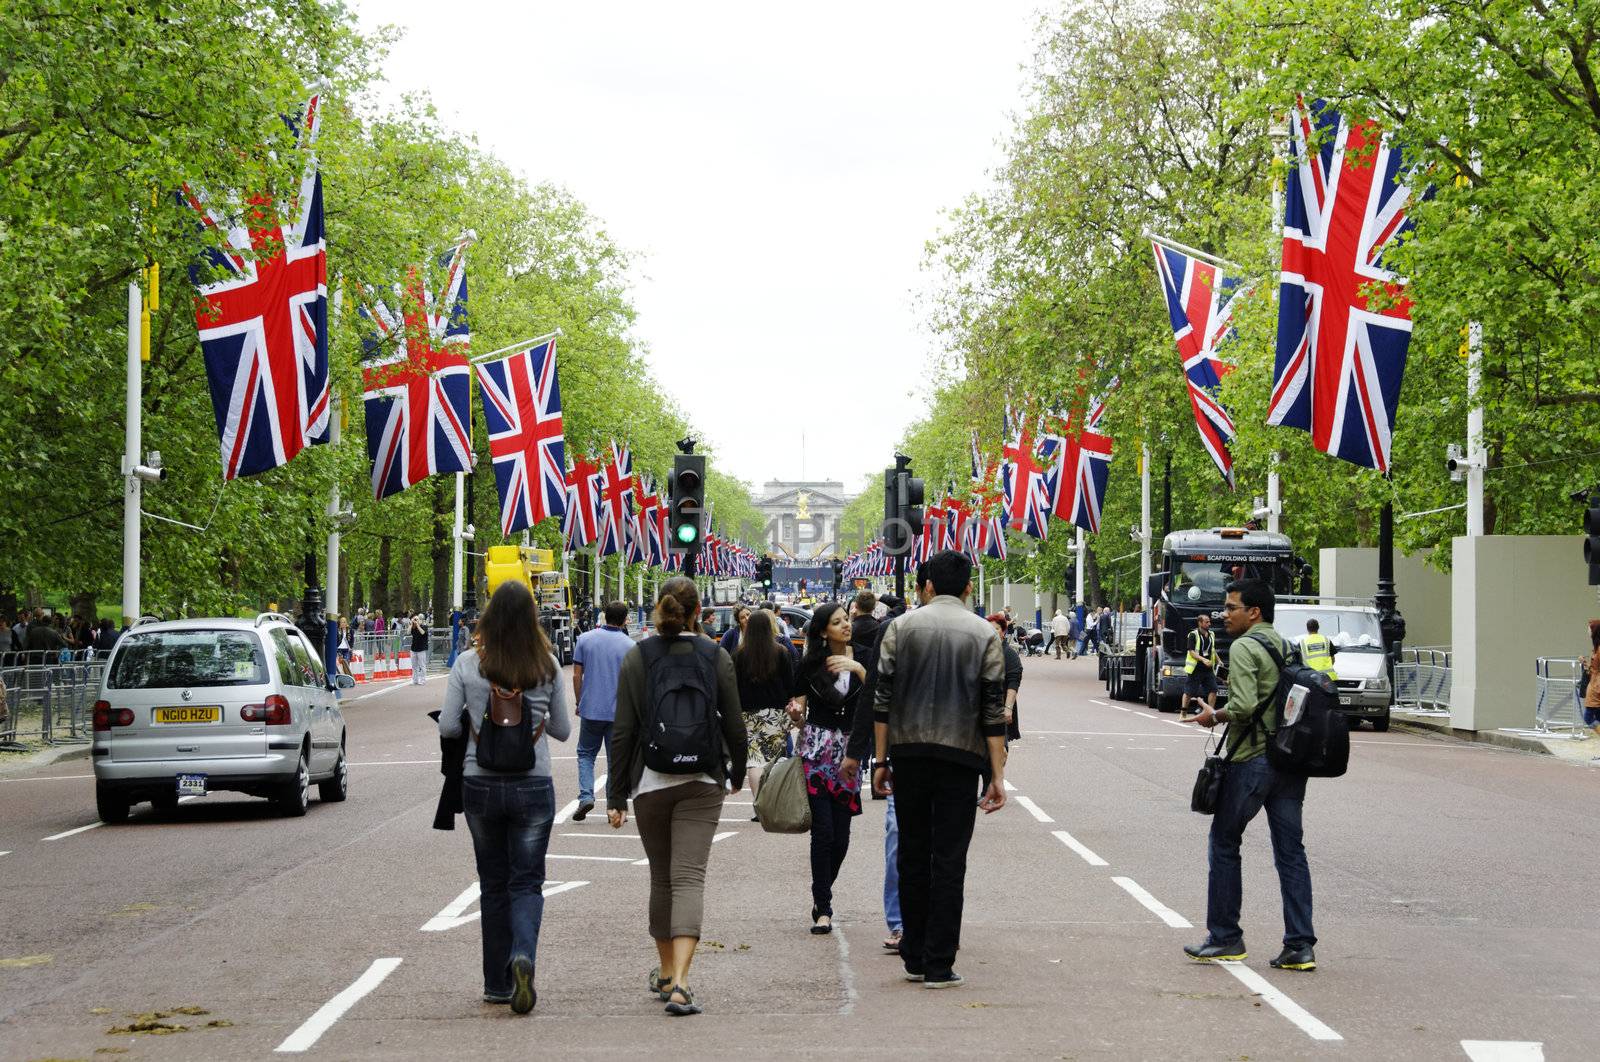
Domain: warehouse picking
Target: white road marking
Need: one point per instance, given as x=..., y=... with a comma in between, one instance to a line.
x=1504, y=1050
x=1117, y=733
x=566, y=813
x=69, y=833
x=1033, y=809
x=1072, y=842
x=1009, y=787
x=847, y=976
x=1153, y=905
x=393, y=763
x=1279, y=1002
x=596, y=859
x=580, y=833
x=399, y=684
x=61, y=778
x=453, y=916
x=6, y=853
x=308, y=1034
x=1108, y=704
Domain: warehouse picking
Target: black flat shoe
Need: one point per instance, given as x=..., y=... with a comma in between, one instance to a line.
x=819, y=927
x=583, y=811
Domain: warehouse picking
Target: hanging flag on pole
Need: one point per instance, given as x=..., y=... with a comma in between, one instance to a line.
x=1200, y=300
x=616, y=501
x=262, y=318
x=1344, y=322
x=417, y=387
x=580, y=523
x=1027, y=506
x=522, y=413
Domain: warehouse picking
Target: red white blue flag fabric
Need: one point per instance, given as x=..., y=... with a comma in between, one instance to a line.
x=1080, y=466
x=1022, y=480
x=416, y=384
x=1344, y=323
x=581, y=522
x=616, y=501
x=522, y=413
x=262, y=315
x=1200, y=306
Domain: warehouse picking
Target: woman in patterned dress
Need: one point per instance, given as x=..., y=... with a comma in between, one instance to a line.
x=827, y=685
x=766, y=677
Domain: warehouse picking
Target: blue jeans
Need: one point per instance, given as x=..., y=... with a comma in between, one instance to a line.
x=1246, y=789
x=510, y=822
x=591, y=735
x=891, y=869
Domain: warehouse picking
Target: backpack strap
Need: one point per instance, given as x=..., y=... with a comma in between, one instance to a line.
x=1255, y=720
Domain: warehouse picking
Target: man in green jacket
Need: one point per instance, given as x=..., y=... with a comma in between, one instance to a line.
x=1250, y=784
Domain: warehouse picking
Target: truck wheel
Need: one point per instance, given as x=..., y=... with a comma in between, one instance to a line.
x=1114, y=679
x=1152, y=690
x=1381, y=724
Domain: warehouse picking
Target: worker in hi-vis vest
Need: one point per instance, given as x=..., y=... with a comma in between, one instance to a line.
x=1200, y=666
x=1315, y=649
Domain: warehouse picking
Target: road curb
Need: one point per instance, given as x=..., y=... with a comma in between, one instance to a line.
x=1482, y=737
x=43, y=758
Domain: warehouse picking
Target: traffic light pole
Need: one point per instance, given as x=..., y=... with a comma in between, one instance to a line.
x=900, y=576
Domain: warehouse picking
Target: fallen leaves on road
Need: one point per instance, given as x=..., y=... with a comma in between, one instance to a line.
x=190, y=1010
x=25, y=960
x=111, y=1050
x=148, y=1024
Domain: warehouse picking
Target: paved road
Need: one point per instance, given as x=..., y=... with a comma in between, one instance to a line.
x=1454, y=893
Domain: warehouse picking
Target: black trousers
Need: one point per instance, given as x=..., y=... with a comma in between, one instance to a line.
x=830, y=840
x=936, y=803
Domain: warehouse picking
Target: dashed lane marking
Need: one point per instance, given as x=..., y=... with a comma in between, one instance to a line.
x=592, y=858
x=1033, y=809
x=1153, y=905
x=399, y=684
x=1504, y=1050
x=566, y=813
x=1009, y=787
x=1073, y=843
x=5, y=853
x=394, y=763
x=847, y=975
x=1108, y=733
x=1274, y=998
x=454, y=915
x=71, y=833
x=308, y=1034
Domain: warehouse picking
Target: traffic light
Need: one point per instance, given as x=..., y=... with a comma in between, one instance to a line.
x=893, y=539
x=764, y=572
x=688, y=501
x=838, y=575
x=1591, y=541
x=912, y=493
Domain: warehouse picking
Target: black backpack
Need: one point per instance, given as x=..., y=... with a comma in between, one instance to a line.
x=681, y=731
x=1312, y=738
x=508, y=742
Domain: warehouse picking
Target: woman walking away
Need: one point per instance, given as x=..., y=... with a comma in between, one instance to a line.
x=766, y=678
x=1591, y=694
x=512, y=677
x=678, y=737
x=1013, y=678
x=827, y=685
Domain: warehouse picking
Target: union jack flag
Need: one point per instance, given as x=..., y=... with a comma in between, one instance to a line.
x=1022, y=481
x=417, y=387
x=1077, y=478
x=1200, y=303
x=651, y=547
x=262, y=316
x=580, y=523
x=616, y=501
x=522, y=412
x=1344, y=323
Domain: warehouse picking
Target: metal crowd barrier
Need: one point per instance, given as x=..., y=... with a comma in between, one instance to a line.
x=1558, y=706
x=50, y=702
x=438, y=650
x=1422, y=680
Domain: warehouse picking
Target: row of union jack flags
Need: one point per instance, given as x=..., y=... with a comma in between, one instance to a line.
x=1056, y=466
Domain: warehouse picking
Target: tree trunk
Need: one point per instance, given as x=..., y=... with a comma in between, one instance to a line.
x=83, y=604
x=443, y=524
x=380, y=582
x=406, y=590
x=345, y=600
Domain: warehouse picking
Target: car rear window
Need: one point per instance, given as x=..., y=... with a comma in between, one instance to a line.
x=164, y=659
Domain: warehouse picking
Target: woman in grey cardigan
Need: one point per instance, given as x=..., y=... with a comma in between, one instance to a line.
x=509, y=812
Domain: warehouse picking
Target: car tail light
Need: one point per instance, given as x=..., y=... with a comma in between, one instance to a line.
x=106, y=717
x=275, y=712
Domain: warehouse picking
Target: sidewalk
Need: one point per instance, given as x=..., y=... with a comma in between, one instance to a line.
x=13, y=762
x=1581, y=751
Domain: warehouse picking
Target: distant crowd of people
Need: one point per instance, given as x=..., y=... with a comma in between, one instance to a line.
x=31, y=631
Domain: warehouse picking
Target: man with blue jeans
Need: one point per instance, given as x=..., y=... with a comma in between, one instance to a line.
x=891, y=878
x=1250, y=784
x=596, y=662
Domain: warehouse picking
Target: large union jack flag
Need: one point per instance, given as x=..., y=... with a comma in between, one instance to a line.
x=1344, y=323
x=616, y=502
x=522, y=412
x=1077, y=477
x=262, y=315
x=581, y=522
x=417, y=386
x=1022, y=480
x=1200, y=305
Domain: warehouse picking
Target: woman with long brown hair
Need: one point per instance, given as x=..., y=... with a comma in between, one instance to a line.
x=506, y=694
x=679, y=738
x=766, y=677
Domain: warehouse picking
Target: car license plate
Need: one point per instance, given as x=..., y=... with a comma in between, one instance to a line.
x=191, y=785
x=197, y=713
x=1347, y=700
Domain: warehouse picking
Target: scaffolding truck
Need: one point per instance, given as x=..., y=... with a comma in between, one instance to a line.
x=1189, y=578
x=538, y=571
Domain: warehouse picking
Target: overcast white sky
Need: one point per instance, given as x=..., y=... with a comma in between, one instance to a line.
x=776, y=169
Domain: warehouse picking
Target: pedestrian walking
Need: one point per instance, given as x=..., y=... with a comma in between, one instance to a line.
x=765, y=673
x=827, y=687
x=506, y=695
x=105, y=639
x=863, y=626
x=1013, y=677
x=1250, y=784
x=1591, y=680
x=730, y=637
x=1060, y=633
x=938, y=710
x=1200, y=666
x=860, y=748
x=679, y=738
x=596, y=664
x=1103, y=627
x=419, y=650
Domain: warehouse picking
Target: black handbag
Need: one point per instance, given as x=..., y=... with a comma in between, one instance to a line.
x=1208, y=781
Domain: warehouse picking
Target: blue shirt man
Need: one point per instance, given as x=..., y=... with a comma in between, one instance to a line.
x=596, y=663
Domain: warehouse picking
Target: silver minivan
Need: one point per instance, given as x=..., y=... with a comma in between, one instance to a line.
x=1360, y=664
x=191, y=706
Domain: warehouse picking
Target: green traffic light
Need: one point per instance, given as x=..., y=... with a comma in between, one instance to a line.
x=688, y=532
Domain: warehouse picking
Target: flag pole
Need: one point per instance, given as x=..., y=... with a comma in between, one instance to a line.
x=1078, y=546
x=515, y=347
x=457, y=537
x=1144, y=527
x=133, y=441
x=1280, y=133
x=1194, y=252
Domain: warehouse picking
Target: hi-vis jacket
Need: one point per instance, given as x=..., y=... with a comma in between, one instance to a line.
x=1202, y=651
x=1317, y=652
